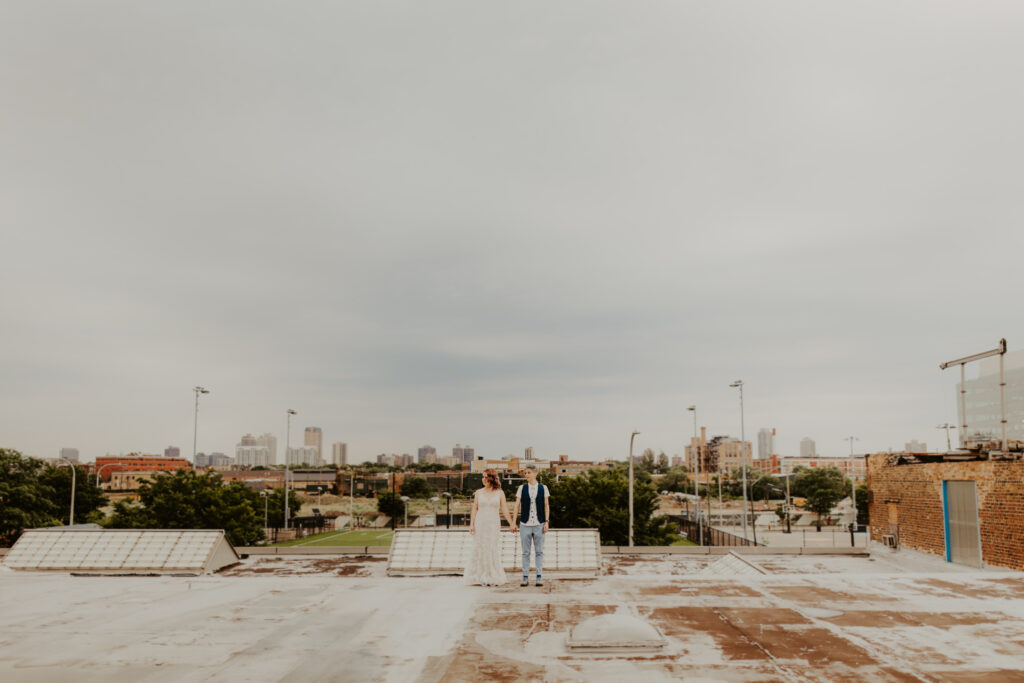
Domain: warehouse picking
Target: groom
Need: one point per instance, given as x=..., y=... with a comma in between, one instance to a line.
x=532, y=515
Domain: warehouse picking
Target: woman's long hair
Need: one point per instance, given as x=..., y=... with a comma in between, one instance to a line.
x=491, y=480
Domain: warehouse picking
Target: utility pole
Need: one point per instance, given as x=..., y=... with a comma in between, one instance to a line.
x=743, y=454
x=853, y=481
x=287, y=469
x=631, y=487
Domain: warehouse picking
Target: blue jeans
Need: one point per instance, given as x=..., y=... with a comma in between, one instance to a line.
x=534, y=535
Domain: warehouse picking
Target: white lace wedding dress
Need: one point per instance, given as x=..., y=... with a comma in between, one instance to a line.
x=484, y=565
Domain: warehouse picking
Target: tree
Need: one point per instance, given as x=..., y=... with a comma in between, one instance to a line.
x=416, y=487
x=190, y=500
x=677, y=480
x=863, y=513
x=275, y=506
x=89, y=497
x=662, y=464
x=823, y=487
x=646, y=461
x=599, y=499
x=390, y=504
x=25, y=502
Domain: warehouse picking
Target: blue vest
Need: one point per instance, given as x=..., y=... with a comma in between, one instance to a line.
x=524, y=501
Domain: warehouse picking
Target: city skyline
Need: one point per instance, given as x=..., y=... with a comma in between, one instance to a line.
x=502, y=225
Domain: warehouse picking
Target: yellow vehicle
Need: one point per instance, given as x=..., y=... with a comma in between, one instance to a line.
x=799, y=502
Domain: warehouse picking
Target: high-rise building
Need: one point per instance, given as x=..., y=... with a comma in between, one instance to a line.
x=468, y=453
x=425, y=452
x=270, y=441
x=69, y=454
x=457, y=453
x=915, y=446
x=172, y=452
x=808, y=448
x=302, y=455
x=528, y=453
x=765, y=442
x=315, y=437
x=213, y=460
x=252, y=451
x=984, y=411
x=339, y=453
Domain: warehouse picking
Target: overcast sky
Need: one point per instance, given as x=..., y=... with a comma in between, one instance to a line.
x=503, y=224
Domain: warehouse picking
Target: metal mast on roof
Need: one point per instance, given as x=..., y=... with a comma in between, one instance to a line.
x=998, y=351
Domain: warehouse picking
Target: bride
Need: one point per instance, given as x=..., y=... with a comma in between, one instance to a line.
x=485, y=525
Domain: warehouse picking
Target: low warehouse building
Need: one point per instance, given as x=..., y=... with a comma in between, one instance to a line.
x=968, y=509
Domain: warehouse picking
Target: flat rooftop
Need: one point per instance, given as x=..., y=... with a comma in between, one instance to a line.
x=339, y=618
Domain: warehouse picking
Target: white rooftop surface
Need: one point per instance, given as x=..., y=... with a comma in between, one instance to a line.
x=334, y=618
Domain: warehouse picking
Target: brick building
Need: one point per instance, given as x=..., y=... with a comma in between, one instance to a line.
x=967, y=511
x=106, y=465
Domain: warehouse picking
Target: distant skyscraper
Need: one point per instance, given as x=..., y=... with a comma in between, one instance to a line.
x=458, y=452
x=270, y=441
x=299, y=455
x=467, y=454
x=339, y=453
x=250, y=451
x=529, y=453
x=808, y=447
x=424, y=454
x=69, y=454
x=172, y=452
x=315, y=437
x=765, y=442
x=915, y=447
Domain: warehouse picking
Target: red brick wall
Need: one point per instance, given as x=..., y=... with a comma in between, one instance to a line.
x=913, y=494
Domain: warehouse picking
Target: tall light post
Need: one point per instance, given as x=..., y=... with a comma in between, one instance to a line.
x=351, y=499
x=434, y=501
x=405, y=502
x=103, y=467
x=743, y=453
x=631, y=487
x=448, y=510
x=195, y=424
x=266, y=502
x=696, y=472
x=947, y=427
x=71, y=515
x=853, y=481
x=287, y=469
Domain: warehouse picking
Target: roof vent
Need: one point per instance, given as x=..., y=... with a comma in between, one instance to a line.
x=615, y=633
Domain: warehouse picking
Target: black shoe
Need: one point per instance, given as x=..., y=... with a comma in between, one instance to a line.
x=525, y=582
x=540, y=581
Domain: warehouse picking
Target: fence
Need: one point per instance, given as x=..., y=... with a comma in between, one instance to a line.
x=711, y=535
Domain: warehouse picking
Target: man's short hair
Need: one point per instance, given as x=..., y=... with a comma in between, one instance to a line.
x=532, y=468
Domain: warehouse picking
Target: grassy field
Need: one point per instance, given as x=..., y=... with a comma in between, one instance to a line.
x=355, y=537
x=683, y=541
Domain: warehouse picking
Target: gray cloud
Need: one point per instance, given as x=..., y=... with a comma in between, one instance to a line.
x=508, y=226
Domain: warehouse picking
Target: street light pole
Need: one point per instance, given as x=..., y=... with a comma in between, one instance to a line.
x=743, y=453
x=405, y=501
x=434, y=501
x=853, y=481
x=287, y=447
x=195, y=423
x=448, y=509
x=631, y=487
x=696, y=472
x=266, y=503
x=71, y=514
